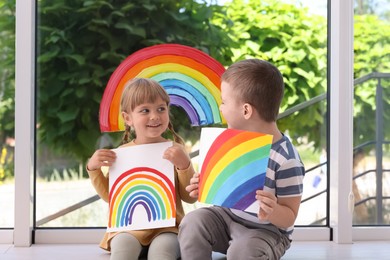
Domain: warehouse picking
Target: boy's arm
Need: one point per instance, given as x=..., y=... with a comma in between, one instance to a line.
x=192, y=188
x=281, y=212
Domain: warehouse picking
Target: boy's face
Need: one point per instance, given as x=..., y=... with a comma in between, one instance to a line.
x=231, y=108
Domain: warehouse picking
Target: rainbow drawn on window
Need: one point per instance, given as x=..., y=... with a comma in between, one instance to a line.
x=190, y=76
x=234, y=167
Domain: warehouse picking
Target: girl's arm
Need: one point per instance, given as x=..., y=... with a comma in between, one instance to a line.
x=101, y=157
x=184, y=177
x=178, y=156
x=100, y=183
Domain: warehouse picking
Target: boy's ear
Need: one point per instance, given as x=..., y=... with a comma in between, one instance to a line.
x=127, y=118
x=248, y=110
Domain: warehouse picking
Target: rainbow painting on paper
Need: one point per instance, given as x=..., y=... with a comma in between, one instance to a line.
x=142, y=189
x=190, y=76
x=233, y=166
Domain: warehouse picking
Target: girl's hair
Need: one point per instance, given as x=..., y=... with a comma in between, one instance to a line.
x=258, y=83
x=139, y=91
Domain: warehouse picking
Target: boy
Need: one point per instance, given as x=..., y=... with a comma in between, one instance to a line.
x=252, y=91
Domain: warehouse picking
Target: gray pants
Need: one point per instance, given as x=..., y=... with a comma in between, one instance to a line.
x=213, y=229
x=125, y=246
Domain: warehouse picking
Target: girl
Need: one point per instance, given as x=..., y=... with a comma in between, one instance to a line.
x=145, y=110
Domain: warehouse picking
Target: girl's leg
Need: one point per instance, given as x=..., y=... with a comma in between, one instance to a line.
x=125, y=246
x=164, y=247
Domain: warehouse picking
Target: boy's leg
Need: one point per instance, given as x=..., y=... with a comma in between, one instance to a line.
x=249, y=243
x=164, y=247
x=125, y=246
x=201, y=232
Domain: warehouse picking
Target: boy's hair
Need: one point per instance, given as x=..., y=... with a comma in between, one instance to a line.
x=258, y=83
x=138, y=91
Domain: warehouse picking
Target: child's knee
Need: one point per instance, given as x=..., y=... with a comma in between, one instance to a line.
x=195, y=224
x=194, y=218
x=125, y=246
x=249, y=249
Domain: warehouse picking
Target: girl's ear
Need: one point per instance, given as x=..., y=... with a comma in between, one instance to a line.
x=127, y=118
x=248, y=110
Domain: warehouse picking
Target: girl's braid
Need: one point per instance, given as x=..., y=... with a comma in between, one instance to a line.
x=176, y=137
x=128, y=135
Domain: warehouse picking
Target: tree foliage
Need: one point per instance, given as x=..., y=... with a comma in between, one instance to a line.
x=371, y=54
x=7, y=86
x=295, y=42
x=7, y=71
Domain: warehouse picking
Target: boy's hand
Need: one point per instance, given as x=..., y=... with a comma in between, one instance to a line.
x=101, y=157
x=268, y=203
x=178, y=156
x=193, y=187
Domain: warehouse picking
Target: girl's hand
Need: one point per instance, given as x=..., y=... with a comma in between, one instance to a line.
x=268, y=203
x=178, y=156
x=193, y=187
x=101, y=157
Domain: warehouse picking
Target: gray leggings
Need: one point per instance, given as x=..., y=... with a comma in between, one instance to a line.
x=213, y=229
x=125, y=246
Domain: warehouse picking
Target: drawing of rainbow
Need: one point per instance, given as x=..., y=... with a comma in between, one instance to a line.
x=144, y=188
x=190, y=76
x=234, y=168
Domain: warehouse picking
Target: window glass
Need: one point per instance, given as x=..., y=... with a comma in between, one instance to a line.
x=81, y=43
x=371, y=161
x=304, y=112
x=7, y=111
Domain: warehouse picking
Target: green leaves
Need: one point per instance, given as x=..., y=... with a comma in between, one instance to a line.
x=371, y=54
x=7, y=70
x=295, y=42
x=139, y=31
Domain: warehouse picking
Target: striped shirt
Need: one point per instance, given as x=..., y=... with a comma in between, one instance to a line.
x=284, y=177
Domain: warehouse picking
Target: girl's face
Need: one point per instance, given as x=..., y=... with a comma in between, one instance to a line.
x=149, y=120
x=231, y=108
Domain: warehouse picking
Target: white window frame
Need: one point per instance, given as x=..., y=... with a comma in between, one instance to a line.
x=24, y=121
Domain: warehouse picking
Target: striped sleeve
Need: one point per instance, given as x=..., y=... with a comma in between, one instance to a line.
x=285, y=170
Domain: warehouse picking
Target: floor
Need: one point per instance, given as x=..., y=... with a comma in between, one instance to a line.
x=376, y=250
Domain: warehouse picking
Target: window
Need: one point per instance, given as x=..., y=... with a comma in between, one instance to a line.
x=66, y=102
